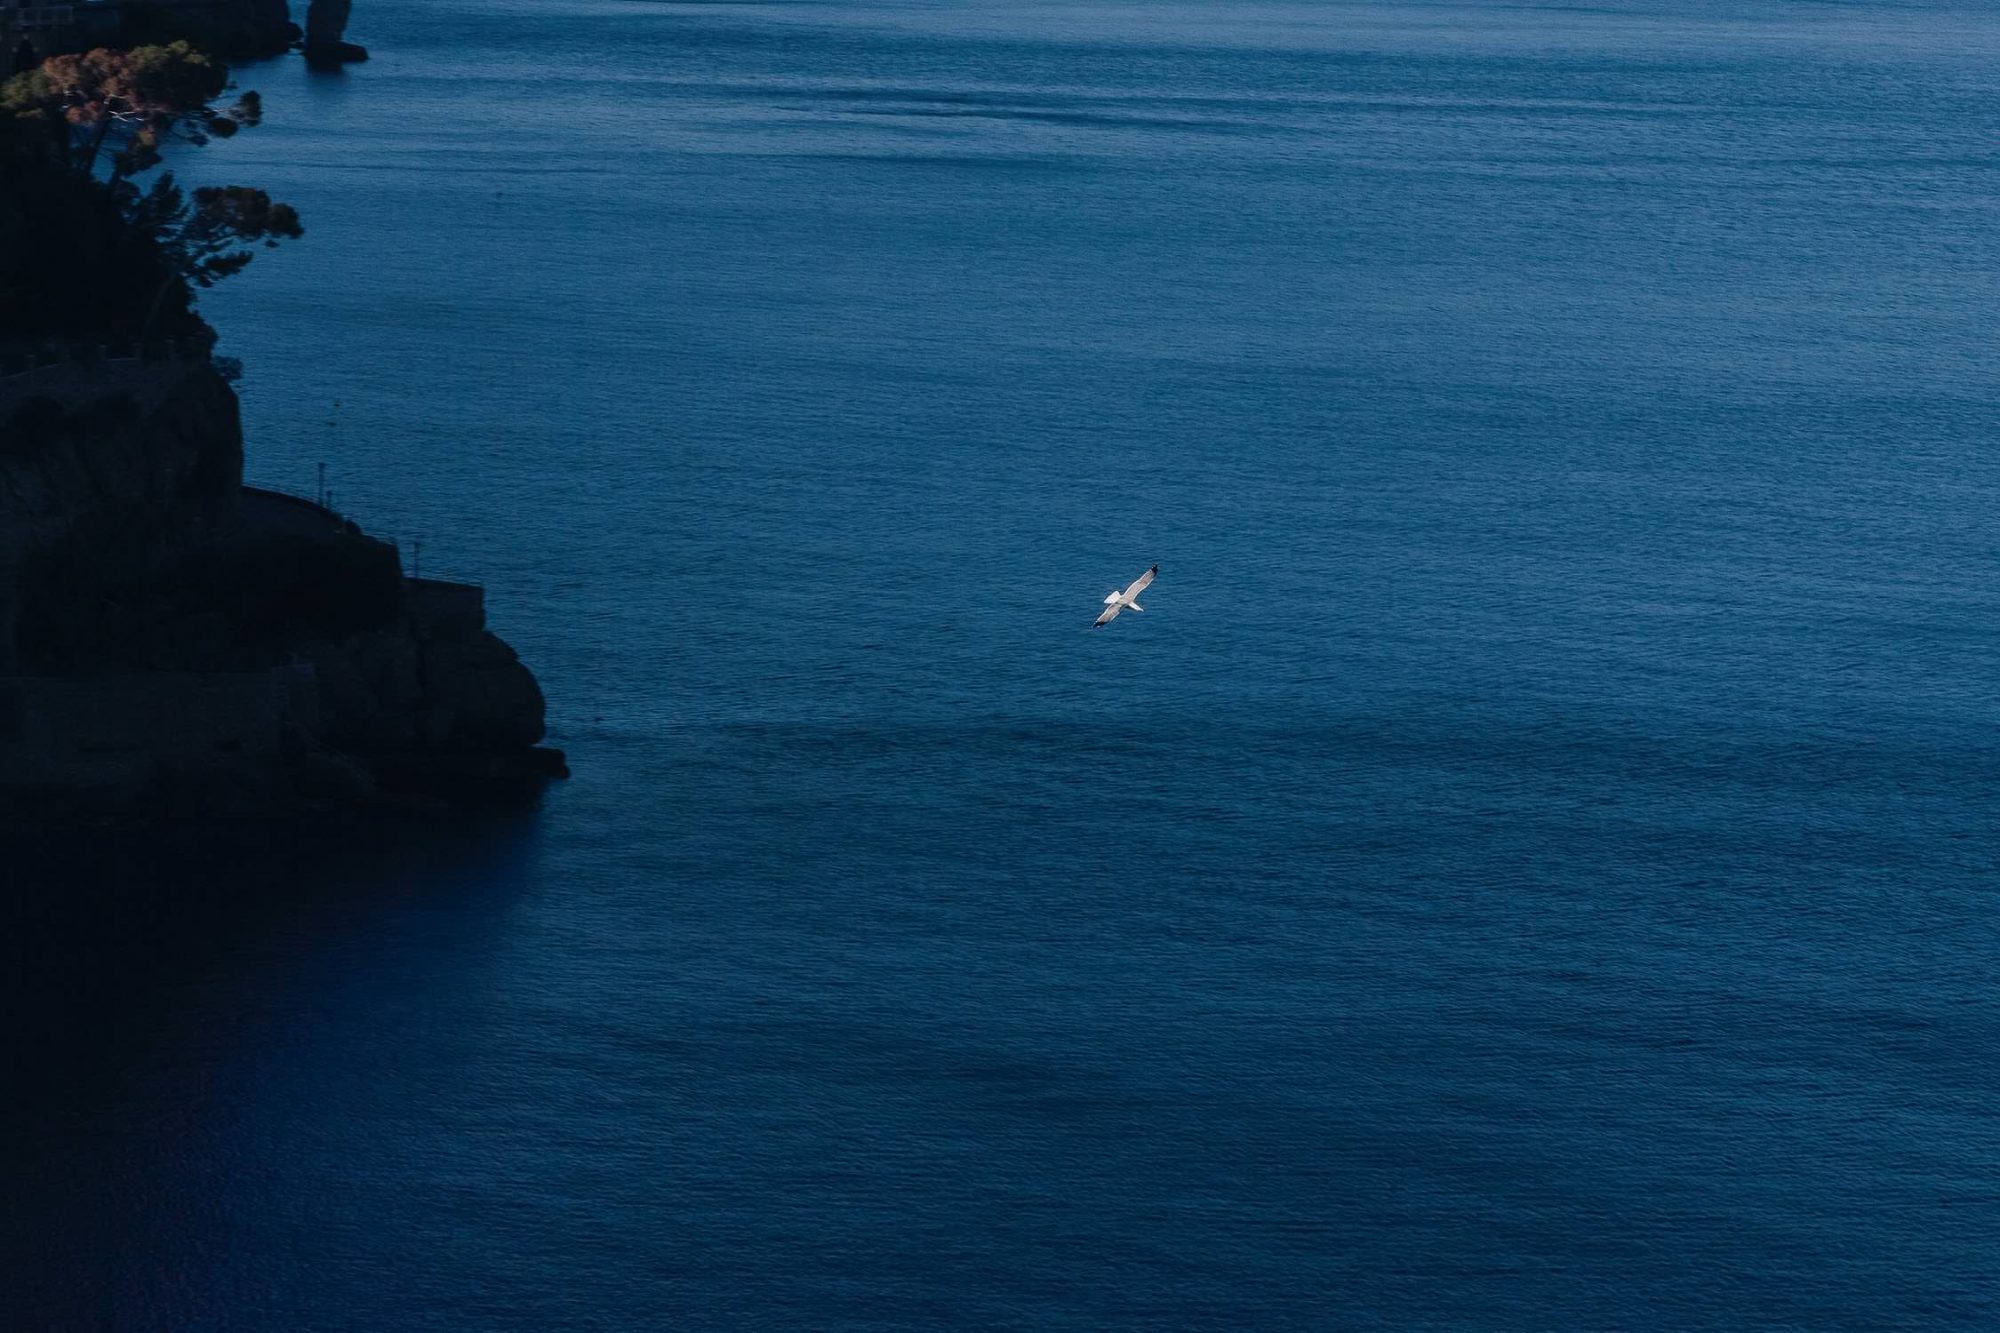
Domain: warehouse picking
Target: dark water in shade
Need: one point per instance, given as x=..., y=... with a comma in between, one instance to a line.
x=1532, y=866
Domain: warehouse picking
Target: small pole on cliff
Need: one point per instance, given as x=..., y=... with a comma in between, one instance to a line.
x=332, y=434
x=417, y=558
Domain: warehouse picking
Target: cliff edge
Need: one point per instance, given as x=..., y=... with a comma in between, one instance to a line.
x=174, y=643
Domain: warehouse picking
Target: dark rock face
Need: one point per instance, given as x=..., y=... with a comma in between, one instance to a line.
x=148, y=462
x=479, y=697
x=326, y=32
x=419, y=685
x=326, y=21
x=234, y=29
x=172, y=643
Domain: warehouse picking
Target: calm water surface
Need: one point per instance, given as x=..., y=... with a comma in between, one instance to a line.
x=1532, y=865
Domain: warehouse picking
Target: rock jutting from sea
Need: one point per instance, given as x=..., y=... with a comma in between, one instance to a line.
x=326, y=44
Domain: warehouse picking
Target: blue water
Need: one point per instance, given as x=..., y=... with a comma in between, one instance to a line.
x=1531, y=866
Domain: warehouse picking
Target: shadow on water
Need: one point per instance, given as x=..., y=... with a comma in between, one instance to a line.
x=161, y=991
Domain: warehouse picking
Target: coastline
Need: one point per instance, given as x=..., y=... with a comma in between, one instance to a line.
x=176, y=644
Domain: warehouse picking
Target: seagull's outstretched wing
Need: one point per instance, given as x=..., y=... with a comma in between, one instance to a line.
x=1118, y=601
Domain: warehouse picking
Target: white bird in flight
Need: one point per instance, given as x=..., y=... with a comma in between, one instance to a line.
x=1116, y=601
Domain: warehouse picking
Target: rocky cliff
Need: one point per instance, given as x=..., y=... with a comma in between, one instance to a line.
x=138, y=579
x=233, y=29
x=326, y=32
x=150, y=456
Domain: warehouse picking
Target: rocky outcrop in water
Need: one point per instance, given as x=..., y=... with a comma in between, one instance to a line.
x=326, y=33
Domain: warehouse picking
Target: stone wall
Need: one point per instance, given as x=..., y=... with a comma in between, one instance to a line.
x=77, y=373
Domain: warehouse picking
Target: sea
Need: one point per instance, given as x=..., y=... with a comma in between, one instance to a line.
x=1532, y=864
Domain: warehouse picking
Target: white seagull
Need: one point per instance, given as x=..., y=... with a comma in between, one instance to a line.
x=1116, y=601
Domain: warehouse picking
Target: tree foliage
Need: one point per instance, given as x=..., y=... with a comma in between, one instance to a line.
x=126, y=103
x=211, y=236
x=72, y=265
x=73, y=112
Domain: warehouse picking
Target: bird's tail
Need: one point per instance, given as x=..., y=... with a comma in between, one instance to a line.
x=1134, y=606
